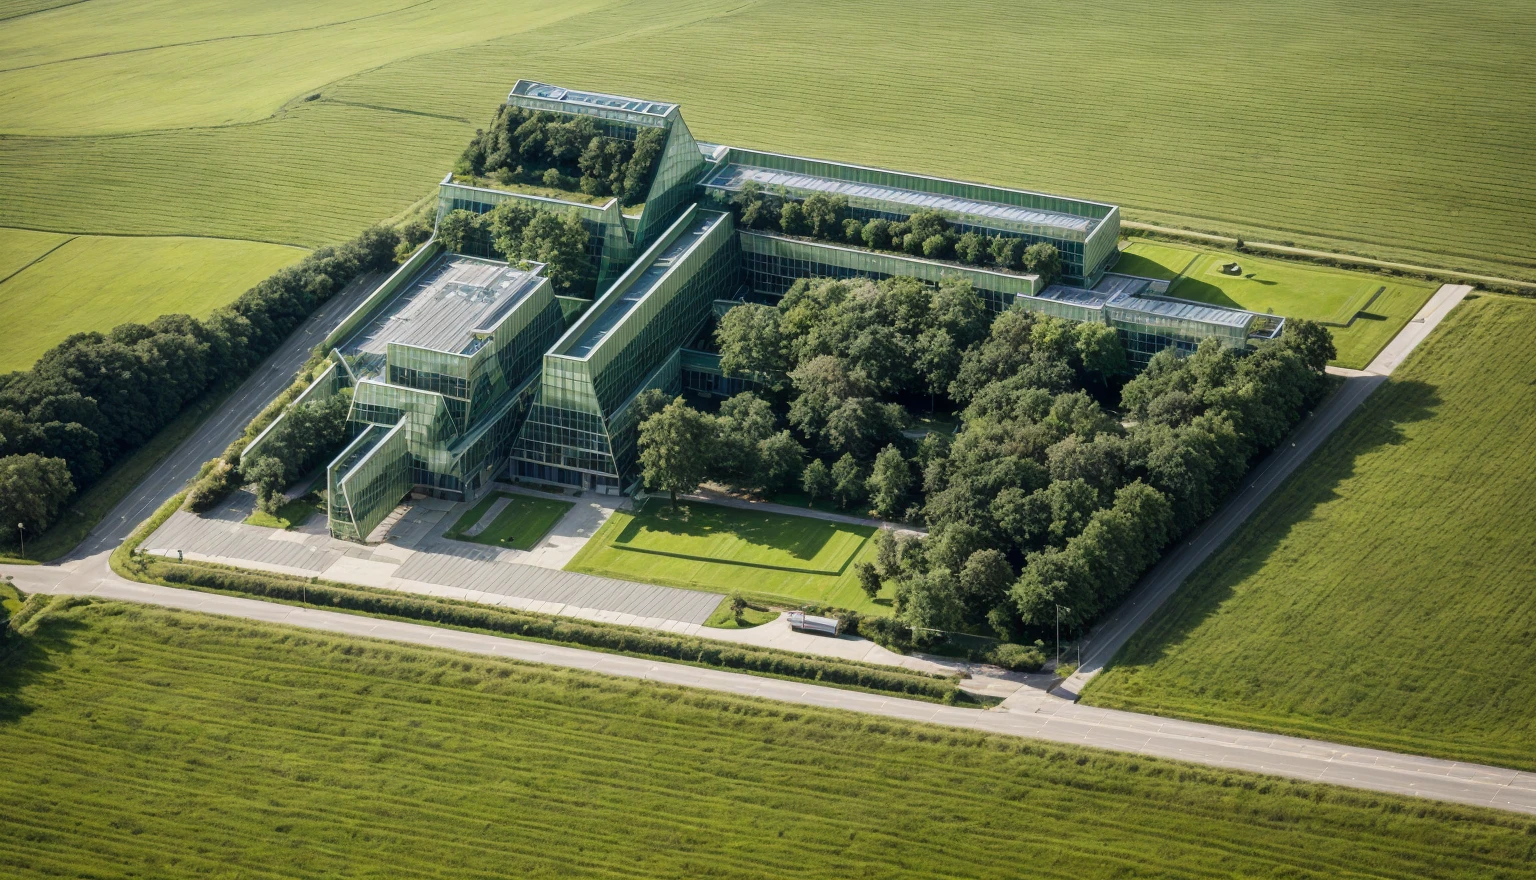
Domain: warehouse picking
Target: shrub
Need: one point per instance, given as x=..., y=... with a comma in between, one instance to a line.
x=1019, y=658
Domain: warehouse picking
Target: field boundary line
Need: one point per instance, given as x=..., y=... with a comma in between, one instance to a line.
x=78, y=234
x=44, y=254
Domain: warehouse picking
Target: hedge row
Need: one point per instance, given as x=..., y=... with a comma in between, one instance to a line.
x=707, y=652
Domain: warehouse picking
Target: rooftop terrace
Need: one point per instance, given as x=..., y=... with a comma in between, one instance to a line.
x=734, y=176
x=530, y=89
x=1129, y=292
x=445, y=305
x=612, y=312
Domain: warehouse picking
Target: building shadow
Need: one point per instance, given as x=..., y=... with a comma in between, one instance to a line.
x=804, y=541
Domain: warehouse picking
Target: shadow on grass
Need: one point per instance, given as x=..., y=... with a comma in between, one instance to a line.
x=1203, y=291
x=1377, y=424
x=27, y=661
x=800, y=537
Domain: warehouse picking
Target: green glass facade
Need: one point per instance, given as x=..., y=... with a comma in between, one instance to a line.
x=367, y=480
x=581, y=430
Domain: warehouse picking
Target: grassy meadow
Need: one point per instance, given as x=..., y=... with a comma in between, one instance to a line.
x=97, y=282
x=1374, y=307
x=793, y=559
x=147, y=742
x=142, y=116
x=1383, y=595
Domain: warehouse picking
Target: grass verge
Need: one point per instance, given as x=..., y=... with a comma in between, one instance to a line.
x=305, y=754
x=294, y=513
x=1383, y=595
x=520, y=525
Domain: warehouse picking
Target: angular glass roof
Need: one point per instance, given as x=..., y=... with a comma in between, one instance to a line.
x=616, y=310
x=734, y=176
x=530, y=89
x=442, y=307
x=1130, y=292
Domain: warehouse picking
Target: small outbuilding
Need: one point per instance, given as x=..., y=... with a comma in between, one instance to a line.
x=1231, y=269
x=802, y=622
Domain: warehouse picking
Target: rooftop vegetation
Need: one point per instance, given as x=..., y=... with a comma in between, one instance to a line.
x=566, y=153
x=927, y=234
x=516, y=231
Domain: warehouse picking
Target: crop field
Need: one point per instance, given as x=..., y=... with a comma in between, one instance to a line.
x=1383, y=596
x=520, y=525
x=724, y=549
x=19, y=248
x=1239, y=117
x=97, y=282
x=1373, y=307
x=171, y=744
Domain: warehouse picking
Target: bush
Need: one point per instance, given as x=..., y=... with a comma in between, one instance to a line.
x=1019, y=658
x=221, y=479
x=706, y=652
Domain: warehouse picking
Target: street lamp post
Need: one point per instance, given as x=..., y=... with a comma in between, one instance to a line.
x=21, y=531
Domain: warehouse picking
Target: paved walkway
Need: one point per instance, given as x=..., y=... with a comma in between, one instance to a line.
x=1158, y=585
x=1027, y=714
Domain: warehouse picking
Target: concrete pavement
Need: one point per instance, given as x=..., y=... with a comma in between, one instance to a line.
x=224, y=426
x=1158, y=585
x=1026, y=714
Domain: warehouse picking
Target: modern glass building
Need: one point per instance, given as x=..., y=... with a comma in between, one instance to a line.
x=442, y=373
x=582, y=428
x=463, y=367
x=616, y=237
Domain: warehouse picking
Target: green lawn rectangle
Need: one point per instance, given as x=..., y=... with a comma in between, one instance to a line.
x=1375, y=307
x=794, y=559
x=1385, y=594
x=521, y=525
x=291, y=514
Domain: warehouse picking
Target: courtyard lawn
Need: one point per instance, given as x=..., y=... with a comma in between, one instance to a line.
x=788, y=559
x=1385, y=594
x=294, y=513
x=521, y=525
x=1375, y=307
x=170, y=744
x=97, y=282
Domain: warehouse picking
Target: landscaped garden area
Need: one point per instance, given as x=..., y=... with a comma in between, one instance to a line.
x=791, y=559
x=518, y=522
x=1362, y=311
x=156, y=743
x=1383, y=595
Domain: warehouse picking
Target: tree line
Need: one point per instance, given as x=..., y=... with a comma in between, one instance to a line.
x=94, y=398
x=1065, y=481
x=563, y=151
x=926, y=233
x=516, y=231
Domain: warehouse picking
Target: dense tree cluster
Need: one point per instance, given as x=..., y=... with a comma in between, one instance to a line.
x=564, y=152
x=924, y=234
x=1046, y=497
x=515, y=232
x=308, y=435
x=95, y=397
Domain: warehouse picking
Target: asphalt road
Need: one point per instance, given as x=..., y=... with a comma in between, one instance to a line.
x=1045, y=718
x=266, y=382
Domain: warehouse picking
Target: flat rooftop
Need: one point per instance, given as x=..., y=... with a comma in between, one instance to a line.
x=1130, y=292
x=616, y=310
x=733, y=177
x=531, y=89
x=444, y=304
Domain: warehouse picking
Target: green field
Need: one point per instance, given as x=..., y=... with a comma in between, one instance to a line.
x=98, y=282
x=146, y=742
x=19, y=248
x=142, y=116
x=1384, y=595
x=521, y=525
x=1373, y=307
x=792, y=559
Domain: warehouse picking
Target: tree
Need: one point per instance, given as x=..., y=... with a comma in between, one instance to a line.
x=1099, y=350
x=972, y=248
x=847, y=481
x=267, y=474
x=931, y=600
x=1007, y=252
x=642, y=164
x=33, y=490
x=1044, y=260
x=938, y=360
x=751, y=341
x=743, y=423
x=559, y=241
x=779, y=459
x=889, y=482
x=1312, y=341
x=869, y=579
x=507, y=222
x=984, y=581
x=738, y=605
x=861, y=425
x=817, y=480
x=675, y=448
x=649, y=402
